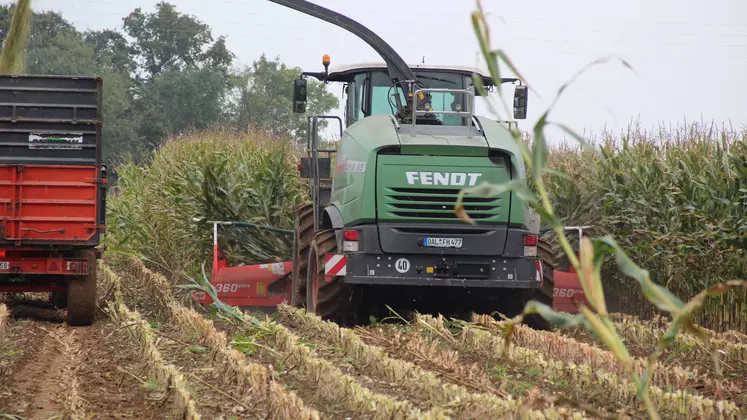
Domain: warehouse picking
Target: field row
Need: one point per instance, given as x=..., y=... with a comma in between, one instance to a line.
x=427, y=369
x=687, y=372
x=371, y=387
x=235, y=384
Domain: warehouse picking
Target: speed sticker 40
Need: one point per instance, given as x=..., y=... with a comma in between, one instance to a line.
x=4, y=265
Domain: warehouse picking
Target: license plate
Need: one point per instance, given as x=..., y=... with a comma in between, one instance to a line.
x=443, y=242
x=4, y=265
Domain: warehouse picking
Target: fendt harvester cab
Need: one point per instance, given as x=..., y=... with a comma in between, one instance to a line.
x=381, y=227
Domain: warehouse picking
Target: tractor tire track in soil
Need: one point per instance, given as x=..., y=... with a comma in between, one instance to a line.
x=50, y=370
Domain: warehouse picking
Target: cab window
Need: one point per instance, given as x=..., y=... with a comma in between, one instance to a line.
x=383, y=95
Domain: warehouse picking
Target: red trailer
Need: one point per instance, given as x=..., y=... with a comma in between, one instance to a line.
x=52, y=189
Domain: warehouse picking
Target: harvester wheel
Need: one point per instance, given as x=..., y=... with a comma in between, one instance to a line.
x=303, y=236
x=545, y=293
x=81, y=295
x=328, y=297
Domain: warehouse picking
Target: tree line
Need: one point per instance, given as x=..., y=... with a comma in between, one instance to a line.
x=164, y=74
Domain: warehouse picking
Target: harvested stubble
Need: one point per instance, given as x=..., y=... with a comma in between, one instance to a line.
x=74, y=406
x=569, y=350
x=661, y=323
x=582, y=377
x=402, y=344
x=333, y=385
x=461, y=402
x=252, y=380
x=140, y=332
x=4, y=317
x=731, y=346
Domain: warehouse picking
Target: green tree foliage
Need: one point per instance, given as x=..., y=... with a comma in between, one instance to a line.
x=112, y=48
x=263, y=99
x=166, y=74
x=174, y=102
x=167, y=40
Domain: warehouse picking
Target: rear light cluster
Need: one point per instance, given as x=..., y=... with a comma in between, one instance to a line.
x=350, y=240
x=530, y=245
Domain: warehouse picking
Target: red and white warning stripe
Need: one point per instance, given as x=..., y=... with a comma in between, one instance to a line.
x=335, y=264
x=540, y=277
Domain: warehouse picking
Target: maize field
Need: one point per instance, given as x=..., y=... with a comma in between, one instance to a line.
x=676, y=198
x=151, y=354
x=695, y=172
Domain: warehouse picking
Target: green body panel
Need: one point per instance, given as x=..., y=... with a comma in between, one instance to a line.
x=354, y=183
x=420, y=144
x=499, y=137
x=356, y=189
x=424, y=189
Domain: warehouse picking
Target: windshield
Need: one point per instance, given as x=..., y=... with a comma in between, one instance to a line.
x=384, y=95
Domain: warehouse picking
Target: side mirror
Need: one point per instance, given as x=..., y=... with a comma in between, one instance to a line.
x=520, y=102
x=299, y=95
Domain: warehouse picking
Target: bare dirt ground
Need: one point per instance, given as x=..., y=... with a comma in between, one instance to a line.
x=50, y=370
x=149, y=357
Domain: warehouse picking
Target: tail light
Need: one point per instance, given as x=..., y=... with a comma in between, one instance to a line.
x=2, y=253
x=530, y=245
x=350, y=240
x=76, y=266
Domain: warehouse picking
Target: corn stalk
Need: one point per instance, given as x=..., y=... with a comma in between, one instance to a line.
x=208, y=175
x=588, y=263
x=13, y=58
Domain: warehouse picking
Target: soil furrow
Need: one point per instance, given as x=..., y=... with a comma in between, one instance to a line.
x=50, y=369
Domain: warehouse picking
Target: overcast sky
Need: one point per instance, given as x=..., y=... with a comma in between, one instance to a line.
x=689, y=59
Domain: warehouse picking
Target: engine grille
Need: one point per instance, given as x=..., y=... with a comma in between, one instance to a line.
x=437, y=204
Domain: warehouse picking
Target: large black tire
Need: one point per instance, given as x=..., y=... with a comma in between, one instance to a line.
x=302, y=238
x=545, y=293
x=334, y=301
x=81, y=295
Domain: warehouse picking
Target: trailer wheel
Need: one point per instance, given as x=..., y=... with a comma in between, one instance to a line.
x=331, y=299
x=545, y=293
x=58, y=299
x=81, y=295
x=304, y=234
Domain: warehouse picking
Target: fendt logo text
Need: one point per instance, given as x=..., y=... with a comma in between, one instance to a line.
x=442, y=178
